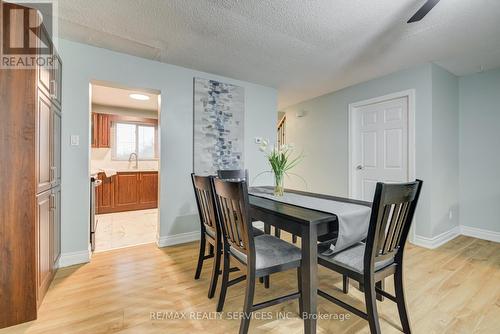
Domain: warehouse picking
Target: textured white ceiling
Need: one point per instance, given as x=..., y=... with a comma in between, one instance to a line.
x=304, y=48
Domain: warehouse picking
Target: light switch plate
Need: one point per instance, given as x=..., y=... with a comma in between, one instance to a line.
x=75, y=140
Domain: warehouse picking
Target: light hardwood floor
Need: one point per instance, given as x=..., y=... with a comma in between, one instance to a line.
x=453, y=289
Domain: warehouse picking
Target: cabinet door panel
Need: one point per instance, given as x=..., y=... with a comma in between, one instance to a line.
x=126, y=191
x=56, y=147
x=56, y=82
x=44, y=229
x=105, y=194
x=43, y=143
x=95, y=130
x=56, y=240
x=148, y=191
x=104, y=129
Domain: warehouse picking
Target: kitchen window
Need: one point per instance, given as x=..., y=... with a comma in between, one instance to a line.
x=134, y=138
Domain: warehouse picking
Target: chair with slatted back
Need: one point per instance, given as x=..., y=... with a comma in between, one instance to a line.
x=258, y=256
x=210, y=229
x=382, y=254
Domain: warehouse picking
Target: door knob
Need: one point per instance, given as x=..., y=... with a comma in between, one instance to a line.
x=359, y=167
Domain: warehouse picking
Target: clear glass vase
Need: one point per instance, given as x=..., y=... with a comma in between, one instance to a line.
x=278, y=184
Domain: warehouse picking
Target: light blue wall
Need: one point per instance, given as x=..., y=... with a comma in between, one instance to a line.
x=445, y=156
x=322, y=134
x=83, y=63
x=480, y=150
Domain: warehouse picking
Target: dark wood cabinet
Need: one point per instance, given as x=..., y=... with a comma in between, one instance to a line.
x=30, y=151
x=56, y=217
x=44, y=236
x=148, y=191
x=43, y=142
x=127, y=191
x=56, y=80
x=101, y=127
x=105, y=194
x=55, y=147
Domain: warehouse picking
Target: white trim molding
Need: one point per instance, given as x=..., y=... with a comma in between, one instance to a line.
x=176, y=239
x=73, y=258
x=438, y=240
x=480, y=233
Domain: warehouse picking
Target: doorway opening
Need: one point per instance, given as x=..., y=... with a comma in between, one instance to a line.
x=124, y=165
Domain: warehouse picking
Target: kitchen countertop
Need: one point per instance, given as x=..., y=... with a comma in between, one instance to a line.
x=124, y=170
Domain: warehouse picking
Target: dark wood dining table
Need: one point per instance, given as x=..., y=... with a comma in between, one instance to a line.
x=309, y=225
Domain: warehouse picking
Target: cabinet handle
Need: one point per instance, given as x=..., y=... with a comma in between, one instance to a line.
x=52, y=173
x=52, y=202
x=53, y=89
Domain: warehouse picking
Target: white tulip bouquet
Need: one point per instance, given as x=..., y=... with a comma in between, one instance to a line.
x=282, y=159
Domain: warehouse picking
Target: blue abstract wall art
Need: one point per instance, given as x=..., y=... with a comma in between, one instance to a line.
x=219, y=115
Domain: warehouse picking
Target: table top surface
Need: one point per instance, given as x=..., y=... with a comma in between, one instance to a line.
x=298, y=213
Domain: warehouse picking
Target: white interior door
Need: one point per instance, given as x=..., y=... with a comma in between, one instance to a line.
x=380, y=146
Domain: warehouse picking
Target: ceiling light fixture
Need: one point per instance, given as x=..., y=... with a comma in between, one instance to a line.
x=140, y=97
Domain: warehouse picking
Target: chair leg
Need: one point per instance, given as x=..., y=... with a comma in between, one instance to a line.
x=248, y=305
x=200, y=256
x=400, y=297
x=261, y=280
x=371, y=307
x=345, y=284
x=294, y=238
x=215, y=270
x=211, y=249
x=381, y=286
x=266, y=282
x=299, y=282
x=225, y=279
x=277, y=232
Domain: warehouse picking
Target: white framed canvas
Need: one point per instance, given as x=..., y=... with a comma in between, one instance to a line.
x=219, y=117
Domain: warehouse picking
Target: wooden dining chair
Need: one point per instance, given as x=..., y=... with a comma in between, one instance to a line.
x=210, y=229
x=257, y=256
x=382, y=254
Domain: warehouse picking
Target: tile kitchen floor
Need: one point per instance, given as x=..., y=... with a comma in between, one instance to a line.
x=124, y=229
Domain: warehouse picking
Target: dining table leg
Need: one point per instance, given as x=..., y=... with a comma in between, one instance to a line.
x=309, y=271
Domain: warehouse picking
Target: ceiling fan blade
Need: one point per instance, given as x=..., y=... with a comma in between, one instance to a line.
x=426, y=8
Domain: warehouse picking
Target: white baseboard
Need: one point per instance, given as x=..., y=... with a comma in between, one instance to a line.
x=438, y=240
x=176, y=239
x=70, y=259
x=480, y=233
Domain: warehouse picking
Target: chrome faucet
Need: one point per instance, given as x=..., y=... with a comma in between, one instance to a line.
x=133, y=154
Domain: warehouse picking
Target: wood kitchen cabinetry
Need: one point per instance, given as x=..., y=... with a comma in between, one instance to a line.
x=101, y=127
x=30, y=151
x=127, y=191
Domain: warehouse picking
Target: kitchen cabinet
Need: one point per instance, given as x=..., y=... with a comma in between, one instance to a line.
x=56, y=81
x=43, y=142
x=148, y=191
x=127, y=188
x=56, y=223
x=44, y=236
x=101, y=128
x=30, y=199
x=55, y=152
x=127, y=191
x=105, y=194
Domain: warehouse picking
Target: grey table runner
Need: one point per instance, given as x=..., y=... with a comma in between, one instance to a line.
x=353, y=219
